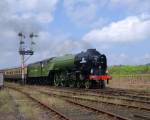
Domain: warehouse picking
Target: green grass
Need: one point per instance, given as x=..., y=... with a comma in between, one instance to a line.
x=5, y=102
x=128, y=70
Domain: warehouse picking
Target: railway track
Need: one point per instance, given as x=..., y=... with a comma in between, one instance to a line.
x=111, y=93
x=132, y=95
x=94, y=93
x=123, y=91
x=114, y=90
x=77, y=98
x=16, y=109
x=60, y=115
x=83, y=106
x=95, y=101
x=98, y=101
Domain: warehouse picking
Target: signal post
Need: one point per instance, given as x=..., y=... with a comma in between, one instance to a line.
x=24, y=52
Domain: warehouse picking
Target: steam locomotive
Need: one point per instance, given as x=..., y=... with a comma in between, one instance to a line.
x=86, y=69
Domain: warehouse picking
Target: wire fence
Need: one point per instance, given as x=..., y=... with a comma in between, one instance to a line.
x=133, y=79
x=129, y=81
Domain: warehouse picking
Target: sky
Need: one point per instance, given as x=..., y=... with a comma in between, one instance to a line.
x=118, y=28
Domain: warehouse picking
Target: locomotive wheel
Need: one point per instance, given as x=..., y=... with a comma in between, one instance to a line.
x=56, y=83
x=66, y=84
x=79, y=84
x=62, y=82
x=102, y=84
x=63, y=79
x=88, y=84
x=72, y=84
x=57, y=80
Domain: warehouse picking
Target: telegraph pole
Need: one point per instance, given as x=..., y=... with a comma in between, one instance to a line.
x=23, y=51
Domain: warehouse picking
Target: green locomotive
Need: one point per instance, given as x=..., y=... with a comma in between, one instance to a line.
x=86, y=69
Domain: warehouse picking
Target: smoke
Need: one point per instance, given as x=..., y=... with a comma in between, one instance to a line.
x=70, y=46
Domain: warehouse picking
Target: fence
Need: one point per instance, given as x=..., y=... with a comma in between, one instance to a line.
x=138, y=80
x=1, y=80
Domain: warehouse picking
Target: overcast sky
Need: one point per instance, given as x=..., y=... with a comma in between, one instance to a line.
x=118, y=28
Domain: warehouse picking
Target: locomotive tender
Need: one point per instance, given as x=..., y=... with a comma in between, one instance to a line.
x=86, y=69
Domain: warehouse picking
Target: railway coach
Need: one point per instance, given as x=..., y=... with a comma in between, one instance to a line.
x=86, y=69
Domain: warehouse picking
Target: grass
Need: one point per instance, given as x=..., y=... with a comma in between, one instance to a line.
x=129, y=70
x=14, y=105
x=29, y=109
x=137, y=82
x=130, y=77
x=5, y=102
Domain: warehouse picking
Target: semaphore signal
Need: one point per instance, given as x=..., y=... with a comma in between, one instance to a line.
x=24, y=51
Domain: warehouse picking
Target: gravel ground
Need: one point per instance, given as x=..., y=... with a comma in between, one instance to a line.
x=105, y=99
x=123, y=111
x=70, y=110
x=76, y=112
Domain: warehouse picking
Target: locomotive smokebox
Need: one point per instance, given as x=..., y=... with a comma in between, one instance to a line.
x=91, y=56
